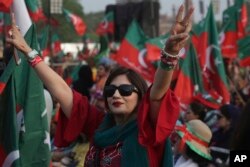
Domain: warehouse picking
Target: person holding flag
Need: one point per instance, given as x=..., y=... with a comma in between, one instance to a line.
x=136, y=128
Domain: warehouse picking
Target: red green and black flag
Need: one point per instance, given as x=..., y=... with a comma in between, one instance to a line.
x=189, y=81
x=25, y=139
x=78, y=23
x=106, y=25
x=132, y=52
x=233, y=29
x=36, y=12
x=210, y=58
x=244, y=51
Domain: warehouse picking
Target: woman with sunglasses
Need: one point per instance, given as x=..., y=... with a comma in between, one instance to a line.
x=139, y=120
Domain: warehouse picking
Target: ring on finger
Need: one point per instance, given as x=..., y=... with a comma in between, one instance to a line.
x=17, y=27
x=10, y=33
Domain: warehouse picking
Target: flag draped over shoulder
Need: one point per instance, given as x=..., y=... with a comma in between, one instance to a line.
x=36, y=12
x=210, y=58
x=132, y=52
x=106, y=25
x=189, y=81
x=79, y=25
x=5, y=5
x=234, y=25
x=26, y=140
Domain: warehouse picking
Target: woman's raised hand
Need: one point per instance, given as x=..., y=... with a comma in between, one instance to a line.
x=179, y=32
x=16, y=38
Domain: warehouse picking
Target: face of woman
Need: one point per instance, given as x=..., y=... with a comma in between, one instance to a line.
x=101, y=71
x=119, y=104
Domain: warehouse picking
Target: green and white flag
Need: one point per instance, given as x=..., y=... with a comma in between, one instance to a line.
x=25, y=140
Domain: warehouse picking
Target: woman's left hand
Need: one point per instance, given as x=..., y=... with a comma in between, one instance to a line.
x=179, y=32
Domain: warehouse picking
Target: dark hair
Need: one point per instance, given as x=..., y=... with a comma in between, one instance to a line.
x=202, y=162
x=132, y=76
x=231, y=113
x=84, y=81
x=198, y=109
x=106, y=66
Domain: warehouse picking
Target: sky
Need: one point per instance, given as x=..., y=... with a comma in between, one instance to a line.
x=166, y=6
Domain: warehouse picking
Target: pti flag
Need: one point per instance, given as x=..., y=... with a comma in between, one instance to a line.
x=154, y=47
x=106, y=25
x=78, y=23
x=26, y=140
x=189, y=81
x=104, y=50
x=36, y=12
x=210, y=58
x=233, y=29
x=132, y=52
x=244, y=51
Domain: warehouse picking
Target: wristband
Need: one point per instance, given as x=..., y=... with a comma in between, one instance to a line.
x=35, y=61
x=168, y=63
x=32, y=55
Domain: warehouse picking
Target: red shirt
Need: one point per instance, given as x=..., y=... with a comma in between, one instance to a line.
x=86, y=119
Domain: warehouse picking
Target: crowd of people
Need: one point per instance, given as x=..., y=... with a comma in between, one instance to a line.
x=114, y=118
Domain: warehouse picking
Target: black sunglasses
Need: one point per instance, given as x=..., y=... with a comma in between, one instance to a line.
x=124, y=90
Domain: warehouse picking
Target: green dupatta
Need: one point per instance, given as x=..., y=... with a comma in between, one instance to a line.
x=133, y=154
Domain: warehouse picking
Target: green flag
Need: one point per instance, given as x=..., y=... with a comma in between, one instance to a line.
x=36, y=12
x=210, y=58
x=26, y=141
x=244, y=51
x=189, y=81
x=132, y=52
x=104, y=49
x=77, y=22
x=234, y=25
x=154, y=47
x=106, y=25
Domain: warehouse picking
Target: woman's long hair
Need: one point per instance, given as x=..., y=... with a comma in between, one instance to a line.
x=135, y=80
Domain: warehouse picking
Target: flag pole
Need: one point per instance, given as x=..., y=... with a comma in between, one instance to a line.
x=50, y=30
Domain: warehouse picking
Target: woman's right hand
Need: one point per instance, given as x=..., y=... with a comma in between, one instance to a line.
x=16, y=38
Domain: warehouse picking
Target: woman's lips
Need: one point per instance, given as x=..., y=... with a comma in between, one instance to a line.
x=117, y=104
